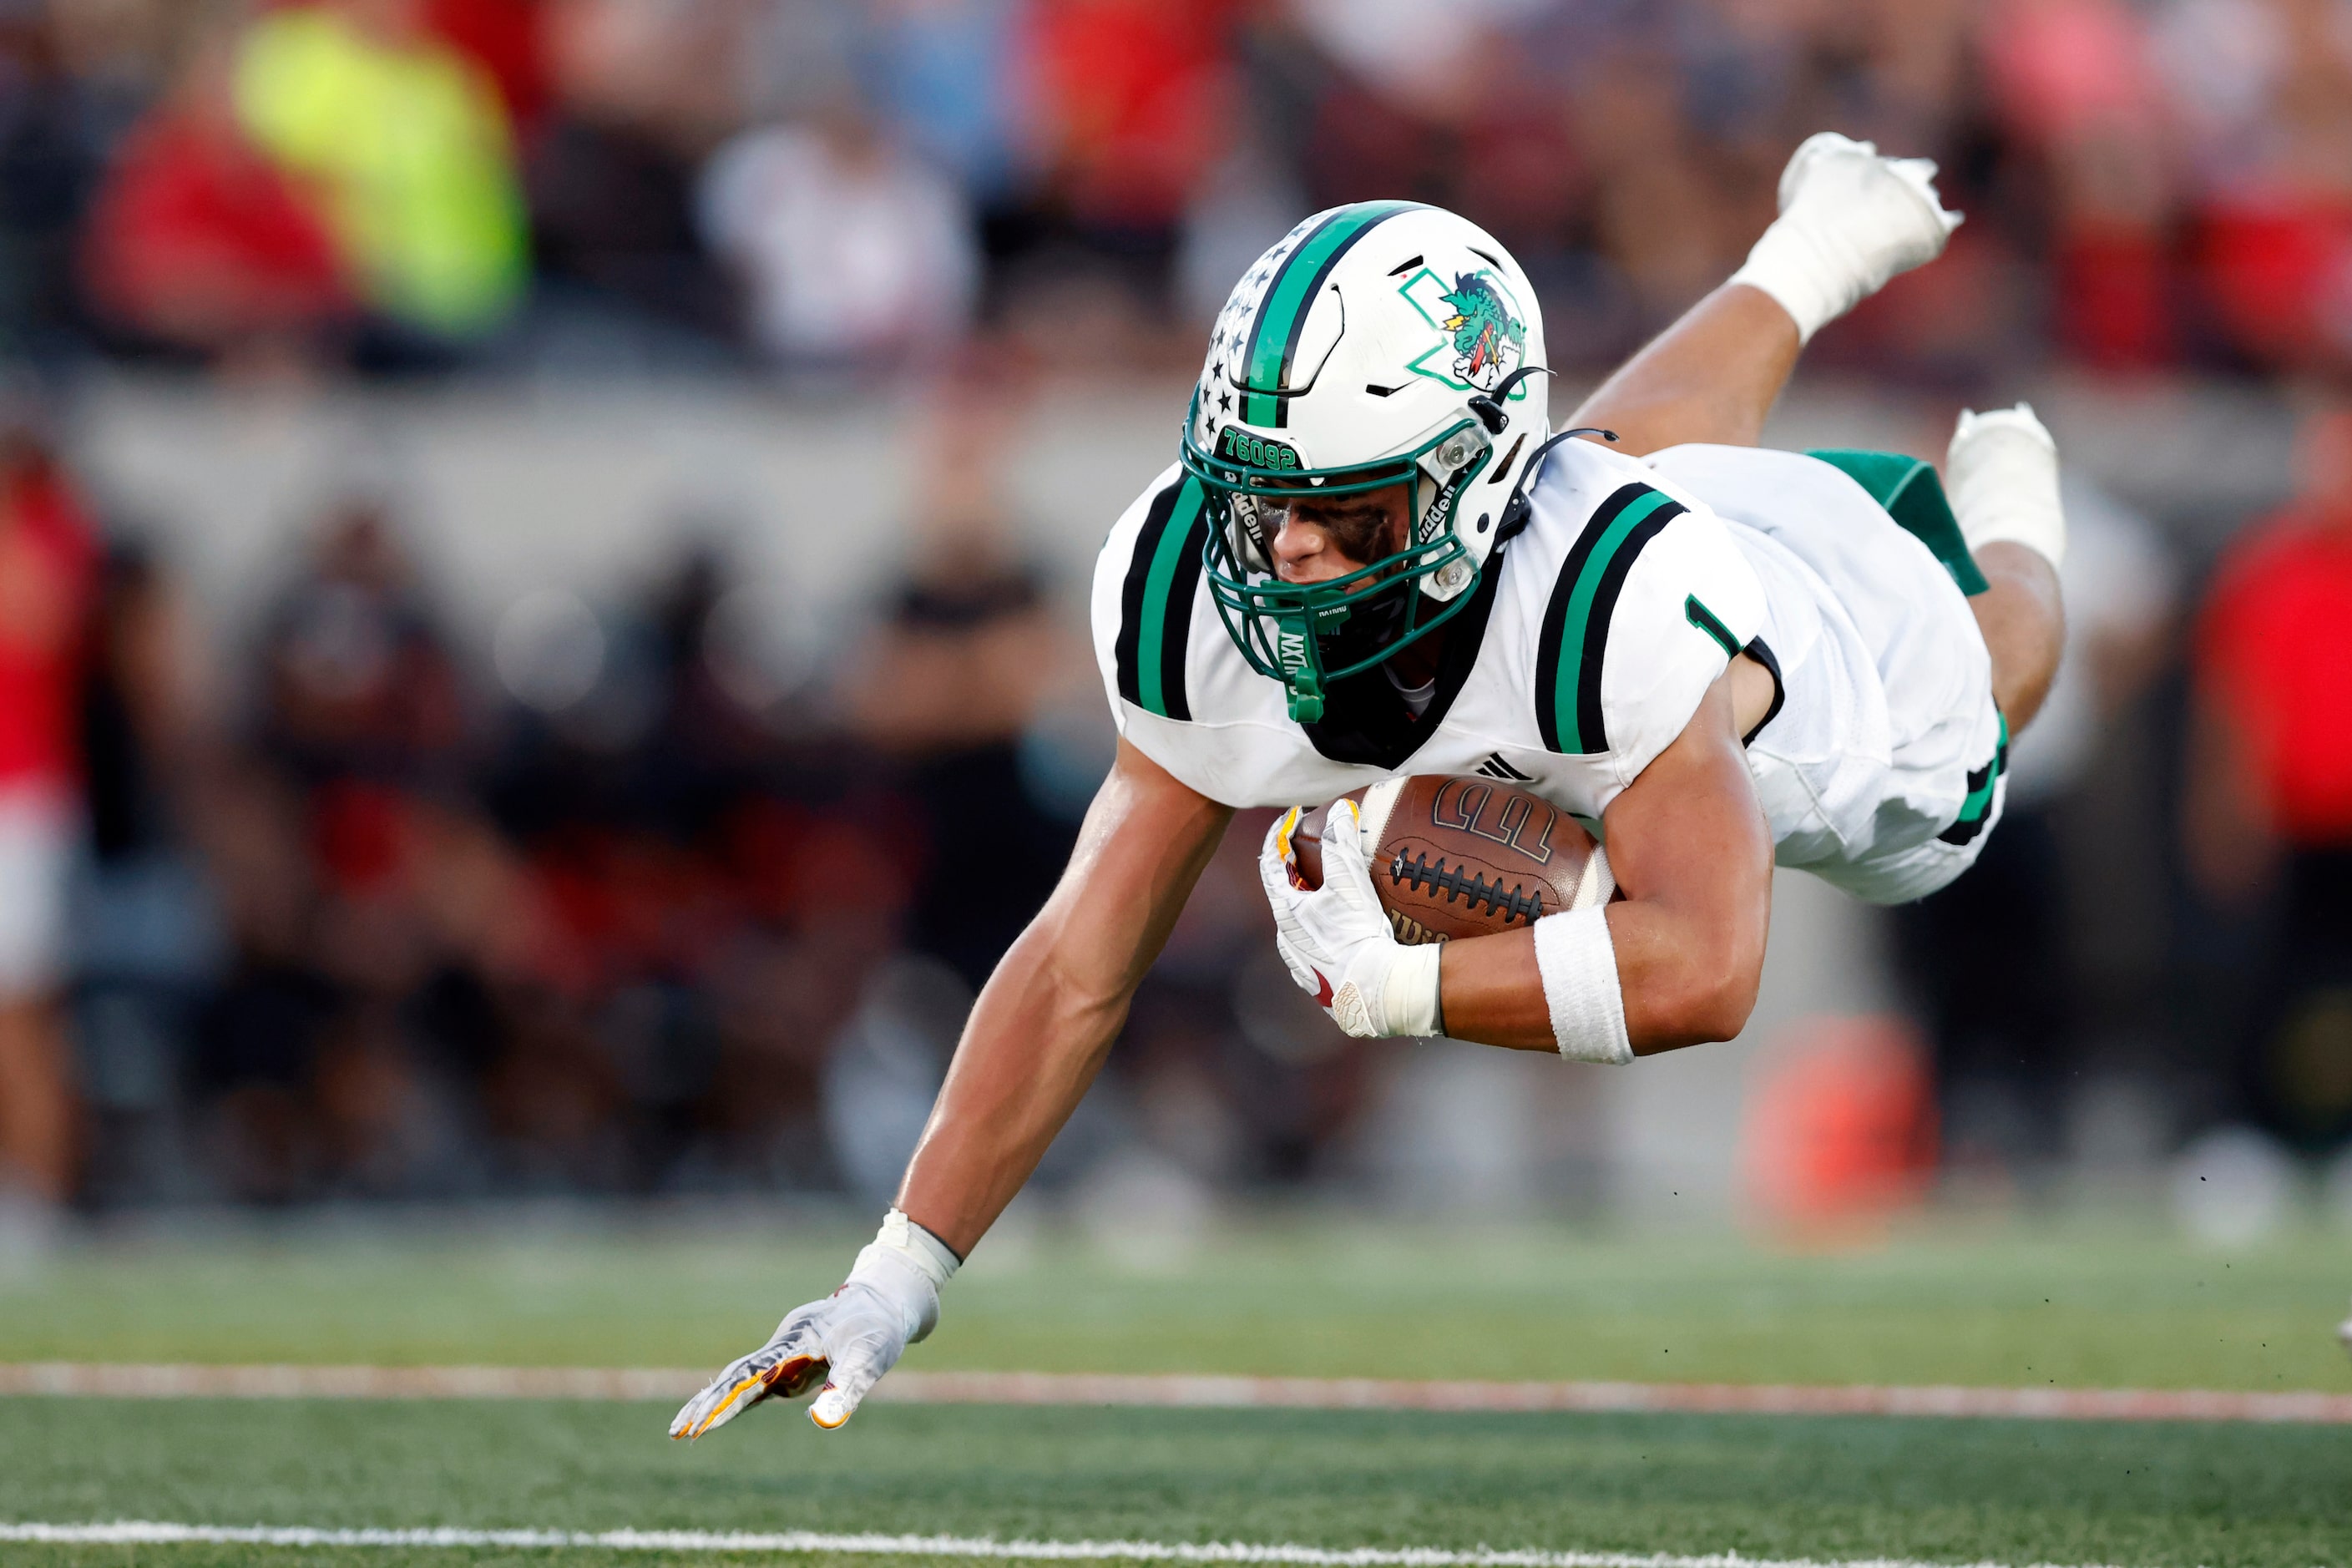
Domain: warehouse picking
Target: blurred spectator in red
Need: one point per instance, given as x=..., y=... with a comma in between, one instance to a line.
x=1128, y=98
x=407, y=145
x=2073, y=81
x=1125, y=104
x=200, y=241
x=45, y=568
x=358, y=680
x=2270, y=777
x=850, y=250
x=506, y=37
x=2265, y=89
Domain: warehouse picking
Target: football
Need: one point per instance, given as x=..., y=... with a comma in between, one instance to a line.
x=1465, y=857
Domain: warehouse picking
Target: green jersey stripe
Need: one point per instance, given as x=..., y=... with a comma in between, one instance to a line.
x=1706, y=620
x=1575, y=638
x=1978, y=808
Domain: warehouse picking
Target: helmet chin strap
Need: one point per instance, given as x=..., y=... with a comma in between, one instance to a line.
x=1515, y=512
x=1489, y=405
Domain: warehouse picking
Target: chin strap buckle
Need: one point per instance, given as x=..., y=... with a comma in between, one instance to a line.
x=1489, y=405
x=1305, y=695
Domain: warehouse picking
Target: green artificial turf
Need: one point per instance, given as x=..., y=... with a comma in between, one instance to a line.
x=2075, y=1305
x=1955, y=1491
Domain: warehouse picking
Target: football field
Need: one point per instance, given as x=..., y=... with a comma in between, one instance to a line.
x=519, y=1481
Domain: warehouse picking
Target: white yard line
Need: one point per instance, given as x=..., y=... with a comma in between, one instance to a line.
x=908, y=1386
x=801, y=1542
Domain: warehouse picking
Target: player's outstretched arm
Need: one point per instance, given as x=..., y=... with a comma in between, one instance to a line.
x=1850, y=221
x=1051, y=1011
x=1034, y=1043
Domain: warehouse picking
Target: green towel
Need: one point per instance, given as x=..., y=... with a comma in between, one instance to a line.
x=1913, y=496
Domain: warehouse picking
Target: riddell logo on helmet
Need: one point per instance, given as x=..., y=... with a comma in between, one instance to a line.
x=1255, y=451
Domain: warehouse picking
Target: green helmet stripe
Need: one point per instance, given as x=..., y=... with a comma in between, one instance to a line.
x=1282, y=311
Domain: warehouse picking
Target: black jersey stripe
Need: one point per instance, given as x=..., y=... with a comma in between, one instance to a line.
x=1156, y=601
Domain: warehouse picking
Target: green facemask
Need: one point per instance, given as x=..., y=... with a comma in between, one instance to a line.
x=1309, y=635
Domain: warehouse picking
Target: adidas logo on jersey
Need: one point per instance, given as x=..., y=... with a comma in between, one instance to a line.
x=1494, y=767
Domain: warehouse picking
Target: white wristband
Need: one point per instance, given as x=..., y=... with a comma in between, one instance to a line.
x=1410, y=1000
x=1578, y=964
x=907, y=1264
x=1803, y=276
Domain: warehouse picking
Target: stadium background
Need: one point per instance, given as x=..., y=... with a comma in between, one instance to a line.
x=548, y=538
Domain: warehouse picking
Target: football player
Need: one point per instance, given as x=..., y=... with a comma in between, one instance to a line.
x=1374, y=558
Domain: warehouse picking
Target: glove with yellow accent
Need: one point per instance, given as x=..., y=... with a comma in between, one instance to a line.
x=1337, y=941
x=890, y=1300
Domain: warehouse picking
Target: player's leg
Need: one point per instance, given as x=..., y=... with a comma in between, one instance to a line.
x=37, y=1115
x=2024, y=625
x=1709, y=378
x=37, y=1141
x=1849, y=221
x=2002, y=477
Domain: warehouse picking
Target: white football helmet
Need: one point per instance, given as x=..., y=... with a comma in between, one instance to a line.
x=1377, y=344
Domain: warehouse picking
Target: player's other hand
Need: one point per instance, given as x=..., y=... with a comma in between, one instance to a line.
x=1336, y=940
x=850, y=1339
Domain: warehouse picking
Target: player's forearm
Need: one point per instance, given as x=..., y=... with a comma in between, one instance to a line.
x=1034, y=1044
x=1687, y=977
x=1712, y=376
x=1491, y=992
x=1048, y=1015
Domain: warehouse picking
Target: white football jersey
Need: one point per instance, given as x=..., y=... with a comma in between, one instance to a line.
x=1588, y=646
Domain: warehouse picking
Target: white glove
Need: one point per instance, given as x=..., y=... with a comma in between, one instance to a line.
x=2002, y=477
x=890, y=1300
x=1850, y=220
x=1336, y=940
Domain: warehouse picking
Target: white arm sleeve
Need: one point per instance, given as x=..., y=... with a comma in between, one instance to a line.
x=1578, y=964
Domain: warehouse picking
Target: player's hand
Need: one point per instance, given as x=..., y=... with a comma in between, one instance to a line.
x=1851, y=220
x=849, y=1339
x=1337, y=941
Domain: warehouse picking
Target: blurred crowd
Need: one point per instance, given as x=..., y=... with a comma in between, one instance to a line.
x=639, y=899
x=660, y=897
x=677, y=896
x=857, y=185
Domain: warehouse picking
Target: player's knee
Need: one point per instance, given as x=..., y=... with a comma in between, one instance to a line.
x=2023, y=618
